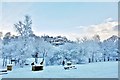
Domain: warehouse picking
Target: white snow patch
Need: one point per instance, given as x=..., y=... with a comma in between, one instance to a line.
x=92, y=70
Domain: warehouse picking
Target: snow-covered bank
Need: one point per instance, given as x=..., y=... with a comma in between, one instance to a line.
x=92, y=70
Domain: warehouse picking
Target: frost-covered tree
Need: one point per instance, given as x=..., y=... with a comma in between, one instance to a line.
x=91, y=48
x=45, y=50
x=6, y=48
x=110, y=48
x=68, y=52
x=24, y=30
x=67, y=48
x=97, y=48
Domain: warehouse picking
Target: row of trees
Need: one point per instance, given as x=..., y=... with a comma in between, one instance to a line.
x=86, y=51
x=26, y=44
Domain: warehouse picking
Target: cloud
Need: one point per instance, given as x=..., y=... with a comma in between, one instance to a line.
x=116, y=28
x=105, y=29
x=109, y=20
x=80, y=27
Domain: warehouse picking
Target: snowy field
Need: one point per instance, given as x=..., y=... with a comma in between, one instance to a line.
x=92, y=70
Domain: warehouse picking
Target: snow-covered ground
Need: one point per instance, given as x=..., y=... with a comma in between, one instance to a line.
x=92, y=70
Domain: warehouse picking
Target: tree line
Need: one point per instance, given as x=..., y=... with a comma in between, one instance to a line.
x=26, y=44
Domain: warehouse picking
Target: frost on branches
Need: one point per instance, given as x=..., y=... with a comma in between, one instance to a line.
x=18, y=47
x=26, y=44
x=86, y=51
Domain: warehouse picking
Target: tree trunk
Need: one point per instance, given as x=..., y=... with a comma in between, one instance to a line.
x=89, y=60
x=36, y=60
x=3, y=62
x=108, y=58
